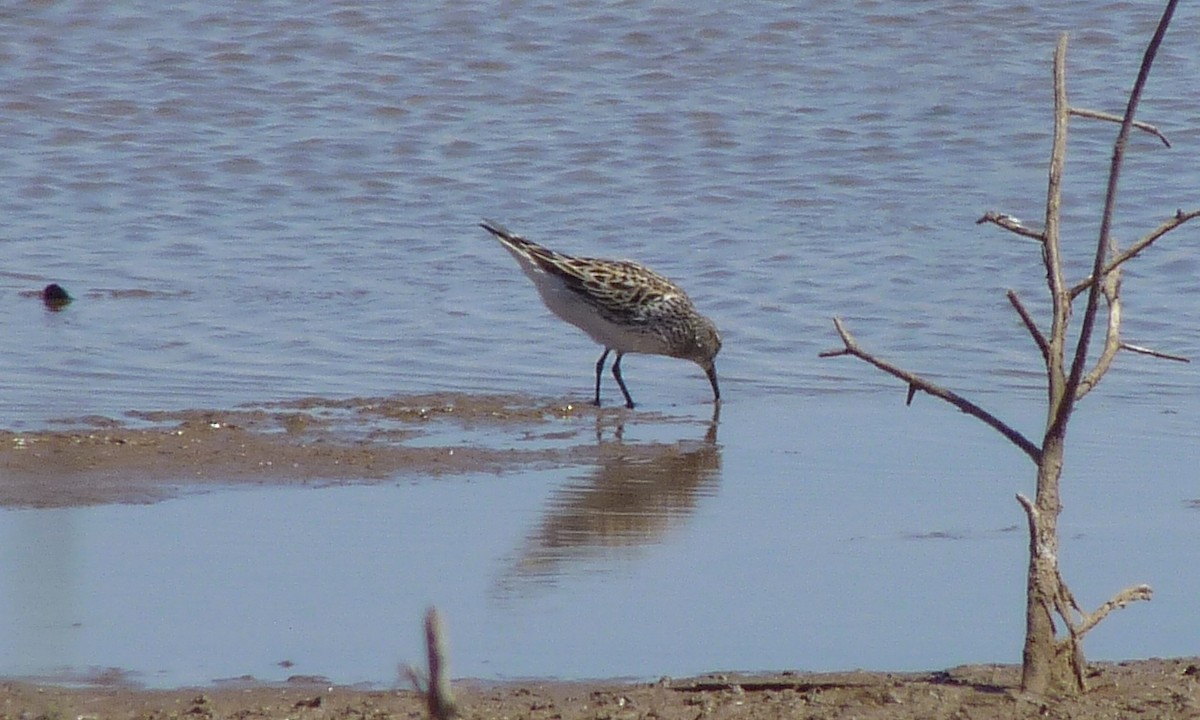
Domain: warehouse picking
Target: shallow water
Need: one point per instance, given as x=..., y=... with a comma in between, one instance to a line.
x=751, y=550
x=254, y=204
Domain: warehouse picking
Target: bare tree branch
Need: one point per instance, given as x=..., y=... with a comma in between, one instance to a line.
x=1097, y=115
x=1153, y=353
x=1010, y=223
x=1123, y=598
x=920, y=383
x=1103, y=247
x=1112, y=338
x=1064, y=604
x=1030, y=325
x=1176, y=220
x=1060, y=305
x=1030, y=510
x=1036, y=545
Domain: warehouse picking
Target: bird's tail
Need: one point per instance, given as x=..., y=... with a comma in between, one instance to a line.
x=500, y=231
x=525, y=250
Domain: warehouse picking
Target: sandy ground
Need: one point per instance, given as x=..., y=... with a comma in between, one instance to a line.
x=148, y=456
x=1141, y=689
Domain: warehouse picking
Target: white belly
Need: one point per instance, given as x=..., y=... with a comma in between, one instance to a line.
x=566, y=304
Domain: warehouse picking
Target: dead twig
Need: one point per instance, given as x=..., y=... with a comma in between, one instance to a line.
x=1037, y=544
x=916, y=382
x=1097, y=115
x=1123, y=598
x=1153, y=353
x=1112, y=338
x=1012, y=224
x=1030, y=325
x=439, y=697
x=1176, y=220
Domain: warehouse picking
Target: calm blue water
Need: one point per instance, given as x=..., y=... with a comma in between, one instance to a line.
x=912, y=561
x=259, y=202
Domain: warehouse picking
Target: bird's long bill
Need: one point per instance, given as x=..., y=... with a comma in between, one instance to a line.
x=711, y=371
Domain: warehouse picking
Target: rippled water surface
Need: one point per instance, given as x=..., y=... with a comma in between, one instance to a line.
x=258, y=202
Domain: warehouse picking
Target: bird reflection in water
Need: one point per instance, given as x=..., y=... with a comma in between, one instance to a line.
x=634, y=495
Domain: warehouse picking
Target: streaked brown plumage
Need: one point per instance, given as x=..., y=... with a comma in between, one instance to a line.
x=622, y=305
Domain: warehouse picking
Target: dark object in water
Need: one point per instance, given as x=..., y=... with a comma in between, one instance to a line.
x=55, y=297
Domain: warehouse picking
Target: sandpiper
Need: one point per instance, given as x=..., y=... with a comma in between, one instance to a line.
x=622, y=305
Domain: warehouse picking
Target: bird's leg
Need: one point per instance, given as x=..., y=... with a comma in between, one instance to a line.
x=616, y=369
x=599, y=371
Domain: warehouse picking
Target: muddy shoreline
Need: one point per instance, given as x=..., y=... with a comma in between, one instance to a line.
x=1144, y=688
x=152, y=455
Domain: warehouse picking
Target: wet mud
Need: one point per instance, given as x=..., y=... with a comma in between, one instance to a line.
x=150, y=455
